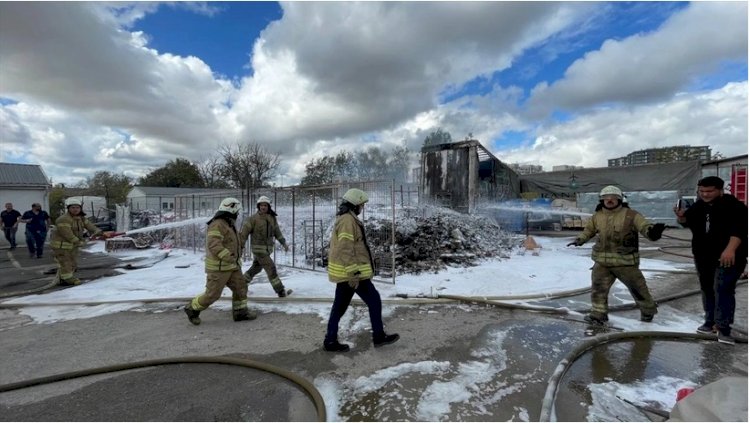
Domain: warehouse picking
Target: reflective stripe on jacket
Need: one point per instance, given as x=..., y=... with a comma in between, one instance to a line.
x=349, y=257
x=262, y=229
x=617, y=243
x=222, y=247
x=69, y=229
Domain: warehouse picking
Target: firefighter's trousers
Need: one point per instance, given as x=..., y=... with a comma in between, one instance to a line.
x=603, y=277
x=264, y=262
x=67, y=263
x=215, y=283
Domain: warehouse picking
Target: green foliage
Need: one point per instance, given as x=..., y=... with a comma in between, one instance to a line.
x=175, y=173
x=438, y=137
x=114, y=188
x=372, y=163
x=57, y=201
x=328, y=169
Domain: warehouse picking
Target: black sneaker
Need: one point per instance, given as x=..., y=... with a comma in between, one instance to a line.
x=385, y=340
x=725, y=336
x=706, y=329
x=192, y=315
x=335, y=346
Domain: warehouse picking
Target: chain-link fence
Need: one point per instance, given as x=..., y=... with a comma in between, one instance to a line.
x=306, y=215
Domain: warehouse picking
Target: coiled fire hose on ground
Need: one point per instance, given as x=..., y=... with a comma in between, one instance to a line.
x=553, y=384
x=306, y=386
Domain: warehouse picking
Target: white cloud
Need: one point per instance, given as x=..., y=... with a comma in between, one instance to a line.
x=92, y=95
x=648, y=67
x=715, y=118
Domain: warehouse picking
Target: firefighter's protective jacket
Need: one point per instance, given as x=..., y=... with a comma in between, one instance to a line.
x=617, y=243
x=349, y=258
x=69, y=230
x=262, y=229
x=222, y=247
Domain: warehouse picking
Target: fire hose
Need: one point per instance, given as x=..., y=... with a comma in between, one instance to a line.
x=303, y=383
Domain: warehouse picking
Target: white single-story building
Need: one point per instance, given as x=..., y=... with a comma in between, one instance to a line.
x=22, y=185
x=163, y=199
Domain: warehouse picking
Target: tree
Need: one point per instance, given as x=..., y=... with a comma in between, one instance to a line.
x=210, y=170
x=399, y=162
x=248, y=165
x=372, y=163
x=175, y=173
x=328, y=169
x=437, y=137
x=57, y=201
x=114, y=188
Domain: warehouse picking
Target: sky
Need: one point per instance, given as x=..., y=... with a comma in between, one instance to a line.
x=555, y=269
x=127, y=87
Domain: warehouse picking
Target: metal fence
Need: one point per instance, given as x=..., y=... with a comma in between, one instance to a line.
x=306, y=215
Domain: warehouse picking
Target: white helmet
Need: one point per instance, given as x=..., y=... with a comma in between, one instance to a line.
x=72, y=201
x=263, y=199
x=356, y=196
x=231, y=205
x=611, y=190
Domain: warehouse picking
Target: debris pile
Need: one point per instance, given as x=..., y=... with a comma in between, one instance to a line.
x=439, y=237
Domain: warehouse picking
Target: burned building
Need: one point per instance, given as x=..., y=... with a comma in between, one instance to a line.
x=462, y=175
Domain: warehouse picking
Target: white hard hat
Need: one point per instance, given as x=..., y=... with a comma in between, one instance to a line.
x=356, y=196
x=611, y=190
x=263, y=199
x=231, y=205
x=72, y=201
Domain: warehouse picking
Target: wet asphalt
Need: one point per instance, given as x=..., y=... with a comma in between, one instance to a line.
x=496, y=361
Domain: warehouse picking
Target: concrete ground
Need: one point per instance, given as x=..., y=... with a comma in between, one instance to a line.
x=455, y=341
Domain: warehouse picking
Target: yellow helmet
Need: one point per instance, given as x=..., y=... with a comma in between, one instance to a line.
x=611, y=190
x=231, y=205
x=356, y=196
x=263, y=199
x=72, y=201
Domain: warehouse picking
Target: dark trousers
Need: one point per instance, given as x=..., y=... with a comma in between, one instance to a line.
x=35, y=242
x=344, y=293
x=10, y=235
x=717, y=289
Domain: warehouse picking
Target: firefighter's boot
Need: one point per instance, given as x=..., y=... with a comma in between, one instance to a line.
x=193, y=315
x=70, y=282
x=243, y=314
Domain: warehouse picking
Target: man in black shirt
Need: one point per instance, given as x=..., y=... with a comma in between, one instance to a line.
x=37, y=223
x=10, y=217
x=718, y=222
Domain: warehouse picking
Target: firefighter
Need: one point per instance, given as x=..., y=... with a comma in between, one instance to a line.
x=67, y=239
x=350, y=267
x=615, y=253
x=223, y=265
x=262, y=228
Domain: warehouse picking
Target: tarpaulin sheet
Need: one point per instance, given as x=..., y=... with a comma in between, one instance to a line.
x=677, y=176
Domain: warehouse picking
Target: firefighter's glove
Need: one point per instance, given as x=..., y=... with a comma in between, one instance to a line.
x=576, y=242
x=354, y=283
x=654, y=232
x=286, y=248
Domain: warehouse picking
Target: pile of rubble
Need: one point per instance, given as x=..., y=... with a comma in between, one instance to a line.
x=439, y=237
